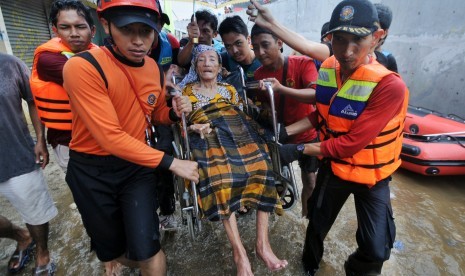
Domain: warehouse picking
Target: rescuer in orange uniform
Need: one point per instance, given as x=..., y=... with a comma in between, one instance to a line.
x=116, y=93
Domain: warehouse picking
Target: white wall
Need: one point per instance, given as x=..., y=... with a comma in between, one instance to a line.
x=426, y=37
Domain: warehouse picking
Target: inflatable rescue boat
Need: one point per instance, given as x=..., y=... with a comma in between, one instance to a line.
x=434, y=144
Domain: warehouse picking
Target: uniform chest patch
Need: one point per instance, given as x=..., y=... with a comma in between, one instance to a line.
x=290, y=83
x=151, y=99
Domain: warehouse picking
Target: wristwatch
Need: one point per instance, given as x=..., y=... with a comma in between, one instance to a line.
x=300, y=148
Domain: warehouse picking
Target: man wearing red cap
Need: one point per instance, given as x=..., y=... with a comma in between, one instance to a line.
x=116, y=92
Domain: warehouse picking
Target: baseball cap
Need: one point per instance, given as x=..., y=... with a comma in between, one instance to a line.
x=324, y=29
x=384, y=15
x=356, y=17
x=122, y=16
x=164, y=17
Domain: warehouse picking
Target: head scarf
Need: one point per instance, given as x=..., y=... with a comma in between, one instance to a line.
x=192, y=75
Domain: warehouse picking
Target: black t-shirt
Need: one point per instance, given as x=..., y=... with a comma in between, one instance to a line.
x=387, y=60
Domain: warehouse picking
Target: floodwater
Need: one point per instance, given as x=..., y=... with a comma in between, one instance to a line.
x=429, y=213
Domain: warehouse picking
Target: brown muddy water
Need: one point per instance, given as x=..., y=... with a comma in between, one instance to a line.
x=429, y=213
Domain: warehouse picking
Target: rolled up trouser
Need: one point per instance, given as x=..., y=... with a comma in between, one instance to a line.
x=375, y=234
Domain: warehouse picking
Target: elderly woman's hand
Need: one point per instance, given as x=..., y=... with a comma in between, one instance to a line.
x=181, y=104
x=201, y=129
x=224, y=72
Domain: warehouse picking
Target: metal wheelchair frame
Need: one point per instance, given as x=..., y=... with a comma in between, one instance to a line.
x=187, y=194
x=284, y=173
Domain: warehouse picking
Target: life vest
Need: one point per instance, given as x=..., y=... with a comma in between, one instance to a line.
x=166, y=51
x=339, y=105
x=51, y=99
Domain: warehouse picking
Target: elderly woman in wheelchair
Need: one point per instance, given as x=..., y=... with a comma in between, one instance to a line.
x=234, y=162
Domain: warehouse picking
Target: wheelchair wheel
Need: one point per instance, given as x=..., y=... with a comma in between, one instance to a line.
x=189, y=217
x=287, y=196
x=179, y=188
x=192, y=221
x=179, y=184
x=190, y=224
x=286, y=191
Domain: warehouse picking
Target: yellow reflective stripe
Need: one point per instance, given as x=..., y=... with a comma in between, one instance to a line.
x=357, y=90
x=67, y=54
x=166, y=60
x=327, y=77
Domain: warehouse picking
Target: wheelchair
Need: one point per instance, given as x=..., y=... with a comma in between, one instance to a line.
x=187, y=194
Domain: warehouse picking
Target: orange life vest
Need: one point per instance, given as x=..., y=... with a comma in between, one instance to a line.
x=51, y=99
x=340, y=104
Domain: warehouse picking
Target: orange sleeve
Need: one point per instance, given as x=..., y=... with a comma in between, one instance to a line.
x=96, y=123
x=163, y=115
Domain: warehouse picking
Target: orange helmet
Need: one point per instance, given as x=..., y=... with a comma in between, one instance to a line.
x=123, y=12
x=103, y=5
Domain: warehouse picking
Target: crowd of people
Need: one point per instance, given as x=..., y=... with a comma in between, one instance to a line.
x=108, y=110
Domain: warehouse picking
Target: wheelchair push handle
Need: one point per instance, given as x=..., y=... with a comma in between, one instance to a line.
x=175, y=92
x=270, y=91
x=244, y=89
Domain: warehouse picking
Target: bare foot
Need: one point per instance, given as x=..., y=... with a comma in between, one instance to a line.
x=270, y=259
x=113, y=268
x=242, y=264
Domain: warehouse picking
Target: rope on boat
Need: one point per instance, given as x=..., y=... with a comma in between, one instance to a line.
x=452, y=136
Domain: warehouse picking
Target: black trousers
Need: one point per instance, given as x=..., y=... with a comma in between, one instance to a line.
x=376, y=230
x=118, y=202
x=164, y=184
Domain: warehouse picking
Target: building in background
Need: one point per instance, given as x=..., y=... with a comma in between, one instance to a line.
x=24, y=25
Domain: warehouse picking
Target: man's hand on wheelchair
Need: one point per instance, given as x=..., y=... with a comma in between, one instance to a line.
x=181, y=104
x=201, y=129
x=275, y=84
x=291, y=152
x=186, y=169
x=171, y=88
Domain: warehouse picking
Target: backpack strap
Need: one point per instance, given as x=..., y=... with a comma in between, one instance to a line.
x=162, y=75
x=90, y=58
x=282, y=98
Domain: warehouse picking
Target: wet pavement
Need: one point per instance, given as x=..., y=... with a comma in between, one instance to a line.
x=429, y=214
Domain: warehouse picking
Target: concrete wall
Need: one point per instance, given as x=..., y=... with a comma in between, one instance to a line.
x=426, y=37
